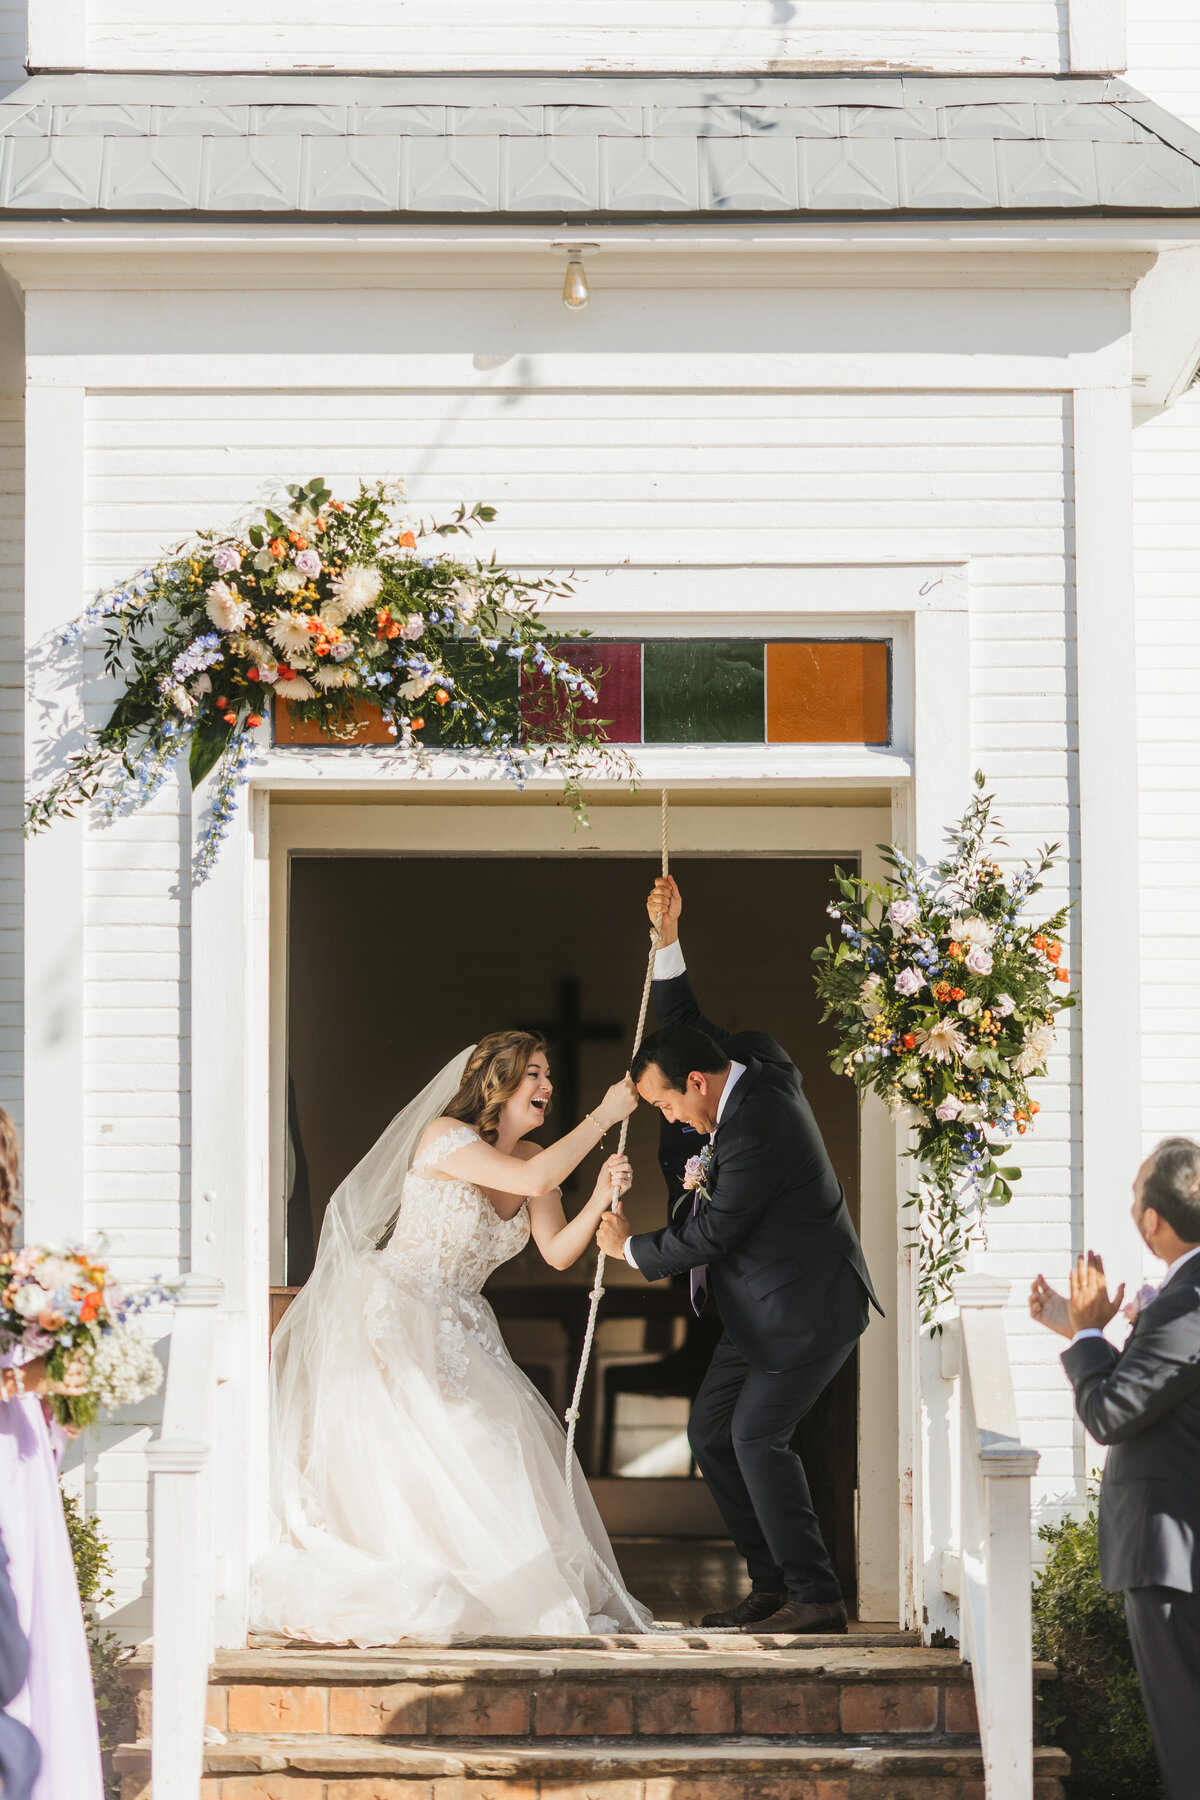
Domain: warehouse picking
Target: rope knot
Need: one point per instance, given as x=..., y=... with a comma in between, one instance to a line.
x=572, y=1415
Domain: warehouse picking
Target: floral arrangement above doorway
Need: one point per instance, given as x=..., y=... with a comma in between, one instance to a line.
x=945, y=999
x=324, y=604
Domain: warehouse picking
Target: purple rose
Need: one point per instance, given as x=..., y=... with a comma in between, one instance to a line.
x=226, y=558
x=902, y=913
x=308, y=562
x=979, y=960
x=908, y=983
x=949, y=1109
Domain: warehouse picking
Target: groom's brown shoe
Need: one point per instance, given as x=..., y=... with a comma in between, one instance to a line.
x=756, y=1605
x=796, y=1617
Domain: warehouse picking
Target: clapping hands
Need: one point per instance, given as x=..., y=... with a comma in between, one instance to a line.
x=1089, y=1305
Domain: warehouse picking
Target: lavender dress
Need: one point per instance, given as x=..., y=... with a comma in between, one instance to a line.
x=56, y=1702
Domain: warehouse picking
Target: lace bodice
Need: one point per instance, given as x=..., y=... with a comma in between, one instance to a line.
x=448, y=1231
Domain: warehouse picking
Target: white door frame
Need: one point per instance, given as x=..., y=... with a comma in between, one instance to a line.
x=924, y=777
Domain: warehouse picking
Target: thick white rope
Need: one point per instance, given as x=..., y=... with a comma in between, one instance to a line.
x=572, y=1412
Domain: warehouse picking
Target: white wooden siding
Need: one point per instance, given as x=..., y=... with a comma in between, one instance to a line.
x=587, y=475
x=12, y=754
x=1167, y=527
x=12, y=42
x=401, y=36
x=1164, y=54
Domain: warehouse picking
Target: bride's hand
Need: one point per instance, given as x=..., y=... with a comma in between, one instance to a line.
x=618, y=1172
x=620, y=1100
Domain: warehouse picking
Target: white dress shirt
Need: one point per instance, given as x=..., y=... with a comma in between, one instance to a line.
x=667, y=964
x=1172, y=1269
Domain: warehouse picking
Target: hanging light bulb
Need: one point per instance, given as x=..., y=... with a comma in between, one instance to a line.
x=575, y=290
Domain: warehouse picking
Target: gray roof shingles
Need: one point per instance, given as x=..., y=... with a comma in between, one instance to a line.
x=589, y=148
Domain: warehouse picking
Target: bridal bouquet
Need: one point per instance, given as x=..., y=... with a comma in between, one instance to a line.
x=945, y=998
x=64, y=1305
x=324, y=603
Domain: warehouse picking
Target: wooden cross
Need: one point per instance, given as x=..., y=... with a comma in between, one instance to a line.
x=567, y=1034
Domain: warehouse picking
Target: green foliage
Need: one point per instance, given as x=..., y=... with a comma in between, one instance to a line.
x=93, y=1572
x=1094, y=1710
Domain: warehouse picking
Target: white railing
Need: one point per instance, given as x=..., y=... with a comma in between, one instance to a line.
x=181, y=1466
x=992, y=1572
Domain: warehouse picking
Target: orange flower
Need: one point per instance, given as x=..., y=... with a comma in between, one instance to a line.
x=1062, y=975
x=418, y=724
x=277, y=547
x=254, y=719
x=1054, y=952
x=320, y=525
x=442, y=697
x=338, y=505
x=942, y=991
x=1021, y=1130
x=1034, y=1106
x=956, y=952
x=90, y=1308
x=1020, y=1115
x=1039, y=942
x=49, y=1320
x=909, y=1041
x=230, y=718
x=408, y=541
x=958, y=993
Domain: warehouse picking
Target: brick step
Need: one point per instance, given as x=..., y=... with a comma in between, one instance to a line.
x=316, y=1767
x=784, y=1688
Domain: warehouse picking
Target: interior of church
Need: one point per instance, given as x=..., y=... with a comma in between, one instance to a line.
x=453, y=947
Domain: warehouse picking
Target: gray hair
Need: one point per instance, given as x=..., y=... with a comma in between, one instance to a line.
x=1172, y=1186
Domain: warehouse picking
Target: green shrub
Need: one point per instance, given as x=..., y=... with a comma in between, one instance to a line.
x=93, y=1571
x=1094, y=1710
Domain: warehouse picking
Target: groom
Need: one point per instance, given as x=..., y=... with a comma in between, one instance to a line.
x=769, y=1231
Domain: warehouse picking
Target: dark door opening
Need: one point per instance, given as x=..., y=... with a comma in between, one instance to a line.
x=447, y=948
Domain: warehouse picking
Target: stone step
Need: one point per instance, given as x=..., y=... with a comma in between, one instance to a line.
x=316, y=1767
x=778, y=1688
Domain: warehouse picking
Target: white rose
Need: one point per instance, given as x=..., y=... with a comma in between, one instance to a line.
x=30, y=1300
x=289, y=581
x=969, y=1007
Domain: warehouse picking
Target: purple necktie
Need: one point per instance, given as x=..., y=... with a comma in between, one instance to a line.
x=698, y=1277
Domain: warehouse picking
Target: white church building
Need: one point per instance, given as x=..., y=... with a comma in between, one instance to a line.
x=894, y=318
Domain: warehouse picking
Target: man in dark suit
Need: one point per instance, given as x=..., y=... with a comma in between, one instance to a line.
x=769, y=1230
x=1144, y=1401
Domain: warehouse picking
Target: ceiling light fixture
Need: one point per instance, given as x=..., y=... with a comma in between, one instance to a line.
x=575, y=291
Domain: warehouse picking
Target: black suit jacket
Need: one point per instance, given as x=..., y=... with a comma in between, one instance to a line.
x=785, y=1264
x=1144, y=1401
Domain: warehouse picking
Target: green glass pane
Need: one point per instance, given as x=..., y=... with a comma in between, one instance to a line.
x=493, y=681
x=710, y=693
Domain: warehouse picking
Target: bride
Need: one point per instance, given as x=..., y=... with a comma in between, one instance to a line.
x=417, y=1486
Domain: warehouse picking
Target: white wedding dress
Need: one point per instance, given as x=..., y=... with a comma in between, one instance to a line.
x=425, y=1498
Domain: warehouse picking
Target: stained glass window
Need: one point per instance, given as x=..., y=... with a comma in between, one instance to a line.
x=702, y=691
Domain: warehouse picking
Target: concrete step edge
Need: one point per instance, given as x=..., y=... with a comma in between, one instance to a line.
x=365, y=1757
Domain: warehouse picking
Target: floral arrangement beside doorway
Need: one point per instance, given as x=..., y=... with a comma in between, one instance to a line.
x=945, y=998
x=324, y=603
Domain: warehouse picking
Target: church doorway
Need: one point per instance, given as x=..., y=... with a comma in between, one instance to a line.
x=447, y=947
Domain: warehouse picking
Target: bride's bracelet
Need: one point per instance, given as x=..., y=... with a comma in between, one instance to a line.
x=602, y=1129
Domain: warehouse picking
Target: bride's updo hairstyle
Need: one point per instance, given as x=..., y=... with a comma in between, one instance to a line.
x=493, y=1075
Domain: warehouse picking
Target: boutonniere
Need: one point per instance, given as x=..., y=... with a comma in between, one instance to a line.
x=1145, y=1294
x=695, y=1175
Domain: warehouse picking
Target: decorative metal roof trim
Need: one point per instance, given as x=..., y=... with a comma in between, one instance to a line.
x=589, y=148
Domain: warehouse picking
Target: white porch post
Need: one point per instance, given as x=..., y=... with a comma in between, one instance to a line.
x=937, y=795
x=229, y=1185
x=1107, y=961
x=54, y=860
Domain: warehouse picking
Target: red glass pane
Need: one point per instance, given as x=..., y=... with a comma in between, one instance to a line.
x=617, y=670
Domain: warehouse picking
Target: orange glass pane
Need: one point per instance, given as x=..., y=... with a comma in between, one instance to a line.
x=289, y=729
x=828, y=693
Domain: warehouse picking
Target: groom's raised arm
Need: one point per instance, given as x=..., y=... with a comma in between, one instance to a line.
x=745, y=1182
x=675, y=1001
